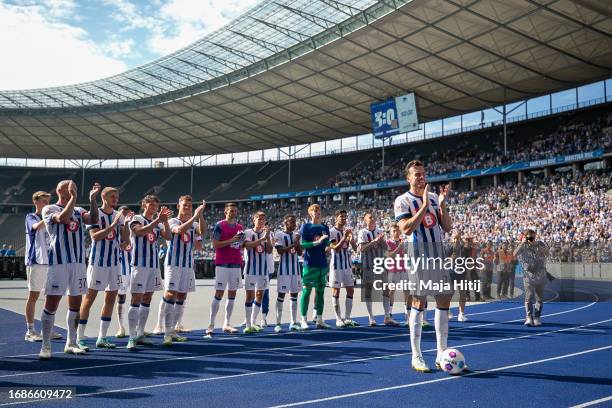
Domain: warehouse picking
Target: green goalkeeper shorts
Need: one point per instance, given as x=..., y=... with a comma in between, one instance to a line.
x=314, y=277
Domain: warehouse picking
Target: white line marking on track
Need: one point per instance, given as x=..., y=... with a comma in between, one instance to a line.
x=208, y=379
x=594, y=402
x=403, y=334
x=449, y=378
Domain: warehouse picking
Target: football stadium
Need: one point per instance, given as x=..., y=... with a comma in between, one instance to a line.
x=327, y=203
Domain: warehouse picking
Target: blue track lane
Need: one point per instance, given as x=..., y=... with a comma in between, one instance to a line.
x=269, y=369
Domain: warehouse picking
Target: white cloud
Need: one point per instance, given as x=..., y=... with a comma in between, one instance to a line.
x=186, y=21
x=40, y=50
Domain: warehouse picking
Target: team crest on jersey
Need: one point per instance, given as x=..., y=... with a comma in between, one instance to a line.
x=344, y=245
x=260, y=249
x=73, y=226
x=111, y=235
x=292, y=250
x=185, y=237
x=429, y=220
x=151, y=237
x=129, y=247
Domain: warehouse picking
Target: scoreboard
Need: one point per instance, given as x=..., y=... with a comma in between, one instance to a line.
x=394, y=116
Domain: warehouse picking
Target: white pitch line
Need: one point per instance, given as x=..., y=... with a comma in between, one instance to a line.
x=208, y=379
x=449, y=378
x=594, y=402
x=268, y=349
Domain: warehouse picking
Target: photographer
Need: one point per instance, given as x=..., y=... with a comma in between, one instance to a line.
x=531, y=255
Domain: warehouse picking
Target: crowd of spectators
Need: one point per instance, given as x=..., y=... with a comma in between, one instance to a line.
x=570, y=137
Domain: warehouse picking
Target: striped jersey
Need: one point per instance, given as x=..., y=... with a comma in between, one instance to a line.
x=256, y=259
x=180, y=247
x=105, y=252
x=341, y=257
x=66, y=241
x=289, y=262
x=427, y=238
x=125, y=260
x=37, y=242
x=145, y=248
x=377, y=251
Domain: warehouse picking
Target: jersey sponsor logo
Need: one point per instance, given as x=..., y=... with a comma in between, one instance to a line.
x=151, y=237
x=292, y=250
x=73, y=226
x=235, y=245
x=429, y=220
x=344, y=245
x=260, y=249
x=111, y=235
x=185, y=237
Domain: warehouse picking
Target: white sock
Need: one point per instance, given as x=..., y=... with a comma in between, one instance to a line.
x=348, y=307
x=279, y=309
x=368, y=303
x=248, y=313
x=293, y=309
x=415, y=323
x=229, y=308
x=104, y=324
x=133, y=313
x=314, y=311
x=168, y=314
x=47, y=319
x=71, y=323
x=120, y=315
x=161, y=314
x=441, y=325
x=179, y=309
x=336, y=304
x=30, y=327
x=407, y=311
x=81, y=329
x=256, y=309
x=390, y=309
x=214, y=308
x=385, y=302
x=143, y=315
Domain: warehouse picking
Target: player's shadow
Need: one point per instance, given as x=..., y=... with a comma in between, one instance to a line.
x=574, y=379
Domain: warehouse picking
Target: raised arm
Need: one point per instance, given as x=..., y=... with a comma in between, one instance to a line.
x=92, y=217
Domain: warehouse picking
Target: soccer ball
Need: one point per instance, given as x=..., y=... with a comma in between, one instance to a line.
x=452, y=361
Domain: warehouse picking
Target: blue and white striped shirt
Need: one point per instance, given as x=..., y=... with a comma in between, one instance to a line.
x=341, y=257
x=427, y=238
x=125, y=260
x=256, y=260
x=37, y=242
x=105, y=252
x=67, y=241
x=145, y=248
x=180, y=247
x=289, y=262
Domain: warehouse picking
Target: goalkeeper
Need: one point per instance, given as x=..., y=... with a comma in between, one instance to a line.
x=315, y=239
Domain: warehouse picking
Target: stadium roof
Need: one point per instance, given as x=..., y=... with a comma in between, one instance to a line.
x=291, y=72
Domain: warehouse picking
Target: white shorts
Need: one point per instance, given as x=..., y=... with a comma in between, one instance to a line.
x=124, y=286
x=341, y=278
x=228, y=278
x=397, y=277
x=70, y=279
x=37, y=277
x=104, y=277
x=179, y=279
x=256, y=282
x=289, y=283
x=368, y=277
x=145, y=279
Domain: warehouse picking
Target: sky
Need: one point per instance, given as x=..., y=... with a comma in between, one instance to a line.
x=59, y=42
